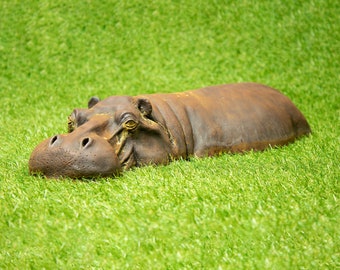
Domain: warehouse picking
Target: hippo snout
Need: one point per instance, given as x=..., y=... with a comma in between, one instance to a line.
x=69, y=155
x=56, y=140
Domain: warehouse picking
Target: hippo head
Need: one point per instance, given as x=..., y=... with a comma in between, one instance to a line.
x=110, y=136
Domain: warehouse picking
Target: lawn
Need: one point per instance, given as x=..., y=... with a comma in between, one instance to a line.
x=277, y=209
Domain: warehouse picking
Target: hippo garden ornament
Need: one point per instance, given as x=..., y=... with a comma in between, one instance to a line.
x=120, y=132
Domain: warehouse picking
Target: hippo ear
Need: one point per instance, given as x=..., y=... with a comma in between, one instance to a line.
x=144, y=106
x=93, y=101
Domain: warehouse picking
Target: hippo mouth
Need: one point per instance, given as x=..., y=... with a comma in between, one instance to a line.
x=127, y=158
x=124, y=149
x=64, y=164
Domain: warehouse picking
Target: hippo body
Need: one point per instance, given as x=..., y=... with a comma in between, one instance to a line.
x=120, y=132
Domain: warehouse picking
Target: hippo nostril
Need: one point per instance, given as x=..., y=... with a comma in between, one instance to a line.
x=86, y=142
x=54, y=139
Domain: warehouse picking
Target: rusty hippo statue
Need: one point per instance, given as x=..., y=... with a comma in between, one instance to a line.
x=120, y=132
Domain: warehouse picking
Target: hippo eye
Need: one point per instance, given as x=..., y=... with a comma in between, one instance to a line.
x=128, y=121
x=130, y=124
x=70, y=124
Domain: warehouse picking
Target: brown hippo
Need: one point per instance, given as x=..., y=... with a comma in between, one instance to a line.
x=120, y=132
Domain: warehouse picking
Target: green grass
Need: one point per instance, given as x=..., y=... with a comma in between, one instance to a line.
x=278, y=209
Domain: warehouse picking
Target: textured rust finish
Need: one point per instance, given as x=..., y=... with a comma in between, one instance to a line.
x=123, y=131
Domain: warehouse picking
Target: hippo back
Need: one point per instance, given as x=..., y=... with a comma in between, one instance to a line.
x=229, y=118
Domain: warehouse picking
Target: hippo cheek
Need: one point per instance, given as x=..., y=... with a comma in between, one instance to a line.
x=61, y=157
